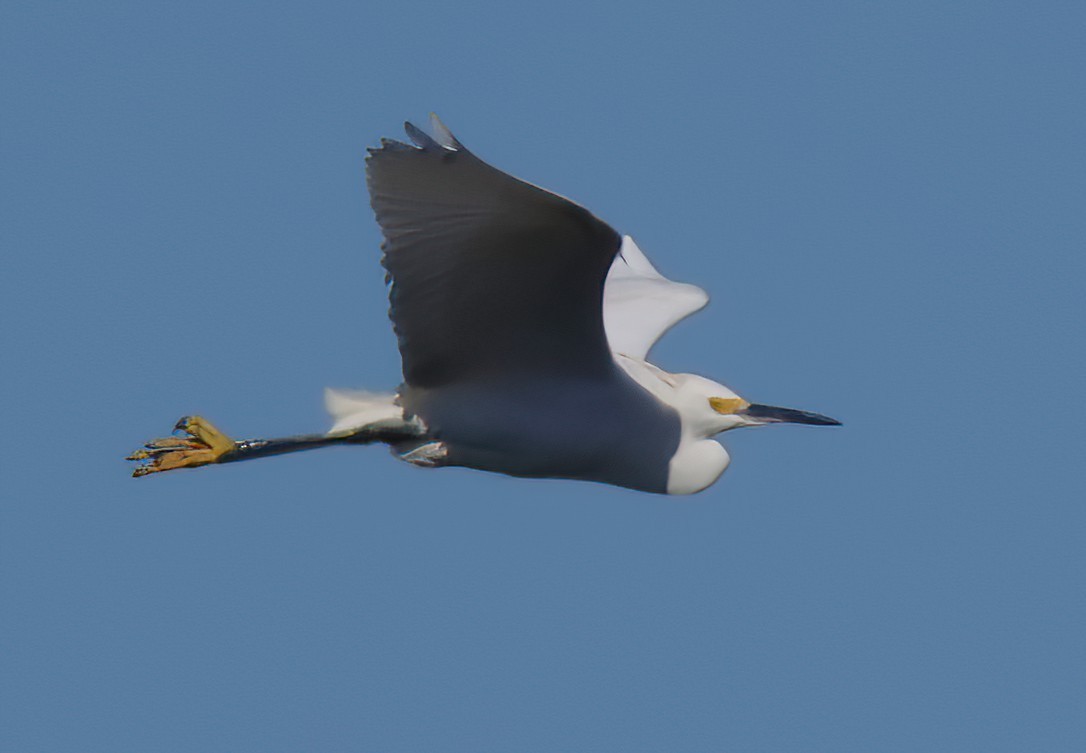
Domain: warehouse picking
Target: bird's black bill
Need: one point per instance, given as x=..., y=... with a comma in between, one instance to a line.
x=772, y=414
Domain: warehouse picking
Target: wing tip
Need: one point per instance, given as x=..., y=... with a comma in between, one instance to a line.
x=440, y=139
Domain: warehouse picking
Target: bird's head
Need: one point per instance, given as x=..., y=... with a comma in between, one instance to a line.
x=708, y=408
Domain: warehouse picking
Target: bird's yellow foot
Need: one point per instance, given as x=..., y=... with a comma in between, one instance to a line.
x=195, y=442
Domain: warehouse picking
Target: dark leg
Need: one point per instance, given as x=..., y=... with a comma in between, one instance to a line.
x=202, y=444
x=246, y=449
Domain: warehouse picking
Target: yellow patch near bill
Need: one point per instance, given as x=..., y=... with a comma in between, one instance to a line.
x=727, y=405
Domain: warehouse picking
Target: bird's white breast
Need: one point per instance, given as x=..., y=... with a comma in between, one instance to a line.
x=697, y=464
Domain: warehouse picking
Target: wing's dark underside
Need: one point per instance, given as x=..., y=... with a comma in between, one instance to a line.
x=492, y=278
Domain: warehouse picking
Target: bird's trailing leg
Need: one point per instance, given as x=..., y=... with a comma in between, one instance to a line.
x=197, y=442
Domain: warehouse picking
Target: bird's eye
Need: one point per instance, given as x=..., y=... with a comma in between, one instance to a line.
x=727, y=405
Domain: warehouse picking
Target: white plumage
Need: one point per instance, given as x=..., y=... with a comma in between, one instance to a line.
x=640, y=304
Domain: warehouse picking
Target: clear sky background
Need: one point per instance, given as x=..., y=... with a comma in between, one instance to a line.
x=886, y=202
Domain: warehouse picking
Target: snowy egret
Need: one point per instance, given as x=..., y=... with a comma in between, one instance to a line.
x=524, y=325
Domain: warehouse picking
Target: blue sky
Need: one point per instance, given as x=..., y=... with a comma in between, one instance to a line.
x=885, y=201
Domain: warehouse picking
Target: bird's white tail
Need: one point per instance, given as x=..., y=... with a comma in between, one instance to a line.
x=353, y=409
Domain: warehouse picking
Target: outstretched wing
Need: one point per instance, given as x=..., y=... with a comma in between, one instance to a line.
x=491, y=277
x=640, y=304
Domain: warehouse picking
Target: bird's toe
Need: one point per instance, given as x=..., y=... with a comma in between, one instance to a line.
x=196, y=442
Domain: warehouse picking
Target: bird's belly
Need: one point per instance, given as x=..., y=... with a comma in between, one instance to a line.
x=609, y=431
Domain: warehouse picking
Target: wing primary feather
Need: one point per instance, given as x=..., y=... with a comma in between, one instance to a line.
x=443, y=135
x=420, y=137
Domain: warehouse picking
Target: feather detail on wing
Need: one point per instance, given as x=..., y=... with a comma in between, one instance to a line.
x=492, y=277
x=640, y=304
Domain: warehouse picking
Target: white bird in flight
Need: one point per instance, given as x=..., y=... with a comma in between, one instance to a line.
x=524, y=324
